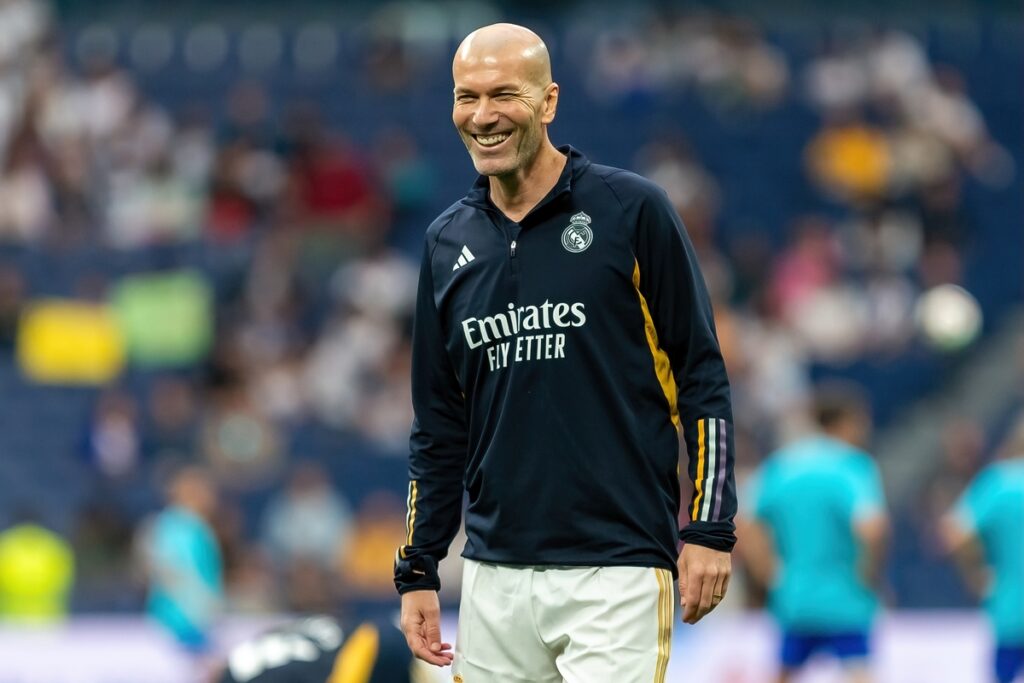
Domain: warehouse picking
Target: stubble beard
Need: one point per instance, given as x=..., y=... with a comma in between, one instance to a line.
x=522, y=155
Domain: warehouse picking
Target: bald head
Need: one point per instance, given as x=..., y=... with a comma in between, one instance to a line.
x=508, y=47
x=504, y=99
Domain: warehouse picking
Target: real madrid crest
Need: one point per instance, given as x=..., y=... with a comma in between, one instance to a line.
x=578, y=236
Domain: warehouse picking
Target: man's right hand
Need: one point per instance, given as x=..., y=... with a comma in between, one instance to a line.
x=421, y=624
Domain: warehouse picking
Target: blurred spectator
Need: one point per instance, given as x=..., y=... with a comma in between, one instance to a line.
x=772, y=381
x=358, y=351
x=113, y=440
x=172, y=419
x=924, y=575
x=941, y=107
x=837, y=80
x=26, y=204
x=74, y=190
x=736, y=68
x=309, y=587
x=807, y=290
x=896, y=63
x=388, y=63
x=308, y=521
x=725, y=58
x=247, y=111
x=238, y=441
x=882, y=241
x=942, y=213
x=365, y=566
x=184, y=562
x=693, y=191
x=933, y=121
x=408, y=174
x=193, y=148
x=386, y=410
x=330, y=186
x=963, y=448
x=809, y=264
x=143, y=138
x=37, y=569
x=12, y=301
x=102, y=102
x=947, y=232
x=851, y=160
x=621, y=66
x=103, y=547
x=152, y=205
x=250, y=584
x=963, y=444
x=247, y=176
x=231, y=214
x=275, y=329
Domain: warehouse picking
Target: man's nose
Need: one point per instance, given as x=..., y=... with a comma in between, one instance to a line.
x=485, y=114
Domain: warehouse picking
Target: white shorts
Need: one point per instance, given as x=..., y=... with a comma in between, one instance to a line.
x=555, y=624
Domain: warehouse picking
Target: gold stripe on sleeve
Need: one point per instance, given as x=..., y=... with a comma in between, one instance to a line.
x=662, y=366
x=355, y=661
x=410, y=520
x=699, y=479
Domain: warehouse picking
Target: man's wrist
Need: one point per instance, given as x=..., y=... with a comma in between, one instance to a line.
x=413, y=588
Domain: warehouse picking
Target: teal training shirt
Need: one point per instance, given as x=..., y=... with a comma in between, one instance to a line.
x=186, y=588
x=809, y=495
x=992, y=508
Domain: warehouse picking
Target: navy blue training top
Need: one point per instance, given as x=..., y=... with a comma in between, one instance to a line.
x=556, y=361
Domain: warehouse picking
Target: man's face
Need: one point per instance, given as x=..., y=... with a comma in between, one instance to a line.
x=500, y=113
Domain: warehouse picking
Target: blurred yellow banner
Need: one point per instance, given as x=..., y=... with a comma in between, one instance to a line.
x=70, y=342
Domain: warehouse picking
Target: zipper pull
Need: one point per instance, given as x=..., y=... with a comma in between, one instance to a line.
x=513, y=248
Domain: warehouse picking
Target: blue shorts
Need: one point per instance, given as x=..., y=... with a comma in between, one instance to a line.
x=797, y=648
x=191, y=639
x=1009, y=662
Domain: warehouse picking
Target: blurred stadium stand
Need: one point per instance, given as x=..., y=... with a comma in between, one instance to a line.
x=294, y=164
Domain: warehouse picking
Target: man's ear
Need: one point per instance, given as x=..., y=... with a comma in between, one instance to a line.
x=550, y=103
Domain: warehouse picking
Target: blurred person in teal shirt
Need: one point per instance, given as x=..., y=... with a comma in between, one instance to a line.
x=985, y=531
x=183, y=559
x=814, y=535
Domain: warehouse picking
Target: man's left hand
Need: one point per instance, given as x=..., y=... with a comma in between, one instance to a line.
x=703, y=580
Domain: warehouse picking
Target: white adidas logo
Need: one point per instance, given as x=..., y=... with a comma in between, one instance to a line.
x=464, y=258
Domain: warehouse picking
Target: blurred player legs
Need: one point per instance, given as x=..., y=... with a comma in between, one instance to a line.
x=852, y=650
x=984, y=533
x=815, y=537
x=577, y=624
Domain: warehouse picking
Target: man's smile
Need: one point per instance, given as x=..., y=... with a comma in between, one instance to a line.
x=491, y=139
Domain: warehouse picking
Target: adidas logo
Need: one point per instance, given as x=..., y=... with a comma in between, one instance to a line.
x=464, y=258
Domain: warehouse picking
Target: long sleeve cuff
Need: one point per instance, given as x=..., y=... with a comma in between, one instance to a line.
x=415, y=574
x=714, y=535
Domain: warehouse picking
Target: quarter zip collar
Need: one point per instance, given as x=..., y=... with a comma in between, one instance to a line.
x=479, y=194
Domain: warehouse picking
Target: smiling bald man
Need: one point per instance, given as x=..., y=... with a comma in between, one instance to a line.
x=563, y=343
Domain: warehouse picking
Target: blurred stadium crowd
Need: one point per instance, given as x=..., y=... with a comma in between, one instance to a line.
x=210, y=230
